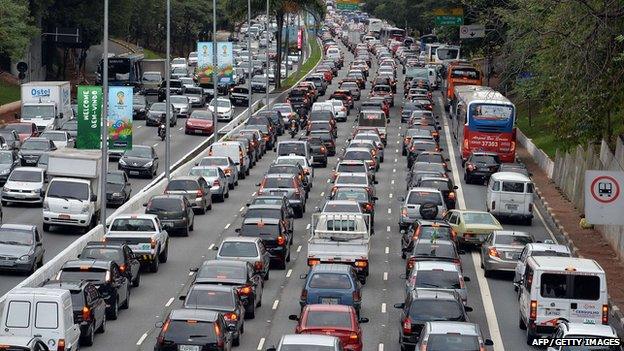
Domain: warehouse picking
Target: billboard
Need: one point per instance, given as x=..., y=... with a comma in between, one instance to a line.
x=204, y=61
x=120, y=118
x=89, y=119
x=225, y=62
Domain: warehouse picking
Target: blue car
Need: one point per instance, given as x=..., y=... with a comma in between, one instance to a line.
x=332, y=284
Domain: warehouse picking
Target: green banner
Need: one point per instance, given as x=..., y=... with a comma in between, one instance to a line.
x=89, y=117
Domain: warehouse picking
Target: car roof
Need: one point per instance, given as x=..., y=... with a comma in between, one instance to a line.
x=447, y=327
x=267, y=220
x=589, y=329
x=583, y=265
x=213, y=287
x=168, y=196
x=329, y=308
x=67, y=285
x=185, y=177
x=434, y=294
x=308, y=339
x=548, y=247
x=230, y=263
x=511, y=176
x=280, y=175
x=90, y=263
x=435, y=266
x=437, y=242
x=18, y=226
x=510, y=232
x=137, y=215
x=194, y=314
x=424, y=189
x=248, y=239
x=265, y=206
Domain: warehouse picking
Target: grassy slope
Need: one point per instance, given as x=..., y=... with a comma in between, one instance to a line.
x=538, y=130
x=8, y=93
x=307, y=66
x=152, y=55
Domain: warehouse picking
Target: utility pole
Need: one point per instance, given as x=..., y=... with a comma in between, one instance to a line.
x=250, y=56
x=168, y=95
x=215, y=81
x=104, y=122
x=268, y=44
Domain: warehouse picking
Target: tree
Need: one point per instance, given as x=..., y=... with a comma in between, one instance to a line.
x=16, y=28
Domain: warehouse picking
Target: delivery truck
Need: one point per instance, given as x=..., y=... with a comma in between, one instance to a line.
x=71, y=199
x=154, y=72
x=47, y=104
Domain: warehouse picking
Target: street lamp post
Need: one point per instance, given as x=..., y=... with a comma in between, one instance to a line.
x=104, y=123
x=168, y=95
x=250, y=56
x=268, y=21
x=215, y=90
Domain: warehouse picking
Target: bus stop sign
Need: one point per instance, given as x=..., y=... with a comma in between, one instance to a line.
x=604, y=201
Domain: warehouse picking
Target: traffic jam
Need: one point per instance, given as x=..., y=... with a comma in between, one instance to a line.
x=386, y=211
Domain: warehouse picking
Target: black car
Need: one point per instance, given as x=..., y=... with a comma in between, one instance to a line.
x=141, y=160
x=298, y=98
x=276, y=117
x=139, y=107
x=480, y=166
x=425, y=229
x=418, y=146
x=174, y=212
x=175, y=88
x=33, y=148
x=291, y=168
x=279, y=211
x=118, y=188
x=424, y=306
x=157, y=114
x=274, y=235
x=21, y=248
x=220, y=298
x=118, y=252
x=407, y=109
x=328, y=140
x=319, y=151
x=88, y=305
x=239, y=96
x=8, y=161
x=445, y=185
x=106, y=276
x=204, y=329
x=238, y=274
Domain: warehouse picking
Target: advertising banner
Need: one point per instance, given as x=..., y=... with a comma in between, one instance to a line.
x=204, y=62
x=225, y=61
x=120, y=118
x=89, y=119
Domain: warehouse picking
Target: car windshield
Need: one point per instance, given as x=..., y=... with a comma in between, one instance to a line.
x=292, y=161
x=133, y=225
x=263, y=213
x=190, y=329
x=330, y=281
x=424, y=197
x=179, y=100
x=437, y=184
x=158, y=107
x=348, y=179
x=489, y=159
x=452, y=342
x=6, y=157
x=36, y=145
x=359, y=195
x=322, y=319
x=204, y=172
x=437, y=279
x=284, y=183
x=238, y=249
x=221, y=103
x=210, y=298
x=165, y=204
x=519, y=240
x=201, y=115
x=68, y=190
x=103, y=253
x=351, y=168
x=259, y=229
x=115, y=178
x=182, y=185
x=436, y=310
x=140, y=152
x=435, y=232
x=221, y=271
x=10, y=236
x=54, y=136
x=478, y=218
x=19, y=175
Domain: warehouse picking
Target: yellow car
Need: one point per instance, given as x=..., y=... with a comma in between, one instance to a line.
x=472, y=227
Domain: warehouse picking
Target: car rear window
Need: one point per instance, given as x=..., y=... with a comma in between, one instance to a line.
x=190, y=329
x=566, y=286
x=513, y=187
x=77, y=274
x=424, y=197
x=429, y=158
x=478, y=218
x=209, y=298
x=330, y=281
x=259, y=229
x=182, y=185
x=291, y=148
x=133, y=225
x=284, y=183
x=216, y=161
x=349, y=168
x=434, y=250
x=238, y=249
x=437, y=279
x=485, y=159
x=430, y=232
x=165, y=204
x=217, y=271
x=432, y=310
x=328, y=319
x=452, y=342
x=512, y=240
x=263, y=213
x=357, y=155
x=437, y=184
x=103, y=253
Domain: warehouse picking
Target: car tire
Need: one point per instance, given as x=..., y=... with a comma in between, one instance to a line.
x=202, y=210
x=137, y=281
x=530, y=337
x=164, y=256
x=231, y=186
x=221, y=198
x=46, y=227
x=112, y=315
x=209, y=208
x=185, y=231
x=267, y=275
x=4, y=203
x=102, y=327
x=251, y=314
x=126, y=303
x=87, y=340
x=521, y=323
x=192, y=226
x=236, y=341
x=154, y=265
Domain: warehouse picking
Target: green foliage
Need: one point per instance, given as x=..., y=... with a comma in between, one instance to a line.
x=16, y=28
x=8, y=93
x=307, y=66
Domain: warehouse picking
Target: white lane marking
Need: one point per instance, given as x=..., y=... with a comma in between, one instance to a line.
x=390, y=196
x=190, y=274
x=398, y=141
x=139, y=127
x=385, y=276
x=288, y=273
x=383, y=307
x=299, y=248
x=241, y=209
x=539, y=214
x=484, y=287
x=141, y=339
x=180, y=128
x=328, y=180
x=392, y=182
x=308, y=226
x=211, y=247
x=253, y=194
x=260, y=344
x=387, y=250
x=388, y=228
x=227, y=226
x=396, y=150
x=389, y=211
x=169, y=302
x=322, y=193
x=394, y=170
x=381, y=346
x=155, y=145
x=275, y=303
x=396, y=160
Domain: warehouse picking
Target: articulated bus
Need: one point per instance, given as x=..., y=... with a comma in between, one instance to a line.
x=388, y=33
x=482, y=119
x=459, y=73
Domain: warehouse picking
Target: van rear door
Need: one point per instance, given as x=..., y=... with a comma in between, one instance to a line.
x=17, y=316
x=513, y=197
x=577, y=298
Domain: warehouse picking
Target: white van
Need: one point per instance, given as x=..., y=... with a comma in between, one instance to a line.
x=556, y=289
x=510, y=194
x=234, y=150
x=538, y=249
x=45, y=312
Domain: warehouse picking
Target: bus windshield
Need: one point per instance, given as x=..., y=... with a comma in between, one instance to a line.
x=491, y=112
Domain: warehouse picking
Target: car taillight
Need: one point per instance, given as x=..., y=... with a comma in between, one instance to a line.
x=353, y=337
x=407, y=325
x=368, y=207
x=227, y=171
x=533, y=310
x=493, y=205
x=266, y=137
x=361, y=263
x=605, y=314
x=86, y=313
x=323, y=149
x=61, y=345
x=304, y=294
x=530, y=208
x=281, y=241
x=230, y=316
x=199, y=193
x=122, y=267
x=258, y=265
x=220, y=340
x=451, y=195
x=153, y=243
x=313, y=262
x=410, y=264
x=453, y=234
x=245, y=290
x=457, y=261
x=216, y=183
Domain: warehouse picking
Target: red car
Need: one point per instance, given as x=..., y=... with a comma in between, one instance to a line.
x=199, y=122
x=340, y=321
x=25, y=130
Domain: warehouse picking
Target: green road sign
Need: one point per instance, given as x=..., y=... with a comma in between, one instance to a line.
x=449, y=20
x=346, y=6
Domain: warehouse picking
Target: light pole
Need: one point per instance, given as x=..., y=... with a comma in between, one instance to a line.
x=249, y=51
x=168, y=94
x=268, y=21
x=104, y=124
x=215, y=90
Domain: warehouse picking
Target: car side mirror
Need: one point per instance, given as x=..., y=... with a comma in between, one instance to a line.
x=303, y=276
x=401, y=199
x=272, y=348
x=468, y=309
x=399, y=305
x=193, y=269
x=489, y=342
x=402, y=231
x=363, y=320
x=317, y=209
x=182, y=297
x=461, y=252
x=215, y=248
x=293, y=317
x=258, y=184
x=145, y=204
x=466, y=279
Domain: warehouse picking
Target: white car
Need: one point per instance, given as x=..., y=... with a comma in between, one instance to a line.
x=61, y=138
x=188, y=82
x=25, y=184
x=584, y=331
x=179, y=62
x=225, y=110
x=340, y=110
x=216, y=178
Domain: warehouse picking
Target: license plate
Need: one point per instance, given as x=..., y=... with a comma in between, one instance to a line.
x=63, y=216
x=512, y=207
x=134, y=172
x=588, y=321
x=167, y=225
x=197, y=131
x=189, y=348
x=329, y=300
x=30, y=161
x=144, y=247
x=6, y=263
x=512, y=255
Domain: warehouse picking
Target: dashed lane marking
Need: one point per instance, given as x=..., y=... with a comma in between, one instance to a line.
x=227, y=226
x=275, y=303
x=389, y=211
x=241, y=209
x=388, y=228
x=260, y=344
x=288, y=273
x=383, y=307
x=385, y=276
x=299, y=248
x=141, y=339
x=211, y=247
x=387, y=250
x=169, y=302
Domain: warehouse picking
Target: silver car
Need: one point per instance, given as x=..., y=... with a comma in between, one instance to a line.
x=227, y=166
x=501, y=250
x=217, y=180
x=182, y=104
x=452, y=335
x=437, y=275
x=25, y=185
x=308, y=342
x=245, y=248
x=195, y=189
x=412, y=207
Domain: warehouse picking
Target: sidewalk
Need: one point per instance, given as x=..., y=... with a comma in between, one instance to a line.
x=588, y=242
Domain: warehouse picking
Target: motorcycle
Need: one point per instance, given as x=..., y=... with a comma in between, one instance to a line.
x=162, y=131
x=293, y=128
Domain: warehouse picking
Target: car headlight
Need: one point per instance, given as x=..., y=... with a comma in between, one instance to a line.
x=149, y=164
x=85, y=208
x=24, y=258
x=122, y=162
x=5, y=189
x=5, y=171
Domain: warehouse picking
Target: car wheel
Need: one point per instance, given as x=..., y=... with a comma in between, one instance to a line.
x=87, y=340
x=163, y=256
x=267, y=275
x=236, y=341
x=102, y=327
x=137, y=281
x=114, y=311
x=530, y=336
x=126, y=303
x=46, y=227
x=192, y=227
x=5, y=203
x=154, y=265
x=202, y=210
x=231, y=186
x=209, y=208
x=185, y=231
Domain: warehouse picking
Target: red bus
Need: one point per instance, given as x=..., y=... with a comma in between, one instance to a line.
x=460, y=73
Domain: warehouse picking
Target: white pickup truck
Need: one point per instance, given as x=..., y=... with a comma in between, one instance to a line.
x=340, y=238
x=145, y=236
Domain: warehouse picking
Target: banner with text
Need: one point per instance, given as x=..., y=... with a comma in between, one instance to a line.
x=89, y=117
x=225, y=61
x=119, y=118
